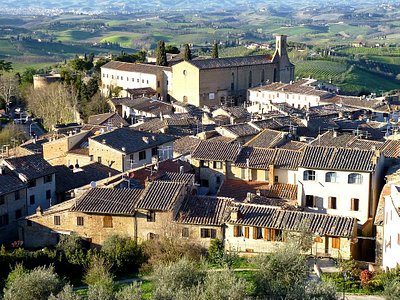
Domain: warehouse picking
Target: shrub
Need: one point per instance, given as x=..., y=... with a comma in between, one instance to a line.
x=66, y=294
x=124, y=254
x=130, y=292
x=37, y=284
x=98, y=272
x=224, y=285
x=365, y=278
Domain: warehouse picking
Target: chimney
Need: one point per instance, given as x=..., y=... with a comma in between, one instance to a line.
x=104, y=141
x=39, y=211
x=235, y=213
x=145, y=139
x=334, y=134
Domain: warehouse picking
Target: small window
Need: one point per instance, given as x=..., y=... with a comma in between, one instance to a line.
x=147, y=82
x=211, y=96
x=354, y=178
x=137, y=80
x=57, y=220
x=309, y=175
x=310, y=201
x=276, y=179
x=246, y=232
x=48, y=194
x=332, y=202
x=154, y=151
x=151, y=216
x=208, y=233
x=355, y=204
x=4, y=220
x=18, y=214
x=48, y=178
x=185, y=232
x=330, y=177
x=2, y=199
x=32, y=199
x=107, y=222
x=79, y=221
x=99, y=159
x=257, y=233
x=158, y=84
x=142, y=80
x=29, y=223
x=335, y=243
x=17, y=195
x=142, y=155
x=217, y=165
x=237, y=231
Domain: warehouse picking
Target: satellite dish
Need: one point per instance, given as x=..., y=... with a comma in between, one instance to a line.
x=93, y=184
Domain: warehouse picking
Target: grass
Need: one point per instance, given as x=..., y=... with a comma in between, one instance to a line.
x=74, y=35
x=125, y=39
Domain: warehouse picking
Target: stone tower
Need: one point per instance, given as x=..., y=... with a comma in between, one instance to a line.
x=281, y=58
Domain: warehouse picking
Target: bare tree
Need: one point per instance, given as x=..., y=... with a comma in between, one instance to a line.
x=8, y=89
x=54, y=104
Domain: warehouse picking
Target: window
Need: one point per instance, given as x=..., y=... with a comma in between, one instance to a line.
x=31, y=183
x=354, y=178
x=218, y=180
x=158, y=84
x=4, y=220
x=48, y=178
x=57, y=220
x=309, y=175
x=151, y=216
x=276, y=179
x=237, y=231
x=142, y=155
x=16, y=195
x=335, y=243
x=142, y=80
x=274, y=235
x=2, y=199
x=48, y=194
x=79, y=221
x=355, y=204
x=154, y=151
x=32, y=199
x=147, y=82
x=118, y=77
x=217, y=165
x=330, y=177
x=310, y=201
x=99, y=159
x=246, y=232
x=211, y=96
x=185, y=232
x=107, y=222
x=332, y=202
x=208, y=233
x=29, y=223
x=257, y=233
x=18, y=214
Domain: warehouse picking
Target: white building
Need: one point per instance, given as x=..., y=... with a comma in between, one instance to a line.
x=299, y=94
x=340, y=181
x=134, y=76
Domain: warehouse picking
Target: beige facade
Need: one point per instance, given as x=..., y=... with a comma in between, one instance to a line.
x=227, y=83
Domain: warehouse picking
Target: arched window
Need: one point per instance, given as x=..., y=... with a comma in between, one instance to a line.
x=309, y=175
x=354, y=178
x=330, y=177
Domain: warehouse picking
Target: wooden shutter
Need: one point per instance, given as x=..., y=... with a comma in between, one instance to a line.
x=335, y=243
x=255, y=236
x=273, y=236
x=246, y=232
x=265, y=233
x=235, y=231
x=213, y=233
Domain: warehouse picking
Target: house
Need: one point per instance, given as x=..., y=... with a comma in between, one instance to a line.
x=268, y=138
x=340, y=181
x=253, y=228
x=143, y=107
x=213, y=160
x=236, y=114
x=387, y=221
x=112, y=120
x=39, y=176
x=124, y=148
x=224, y=81
x=13, y=204
x=241, y=132
x=127, y=76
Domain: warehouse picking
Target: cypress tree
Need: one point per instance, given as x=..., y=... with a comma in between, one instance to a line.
x=187, y=54
x=214, y=53
x=161, y=54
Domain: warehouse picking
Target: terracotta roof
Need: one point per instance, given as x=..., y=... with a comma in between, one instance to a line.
x=241, y=130
x=331, y=158
x=237, y=112
x=203, y=210
x=391, y=148
x=229, y=62
x=238, y=189
x=149, y=105
x=160, y=195
x=255, y=158
x=9, y=182
x=281, y=191
x=111, y=119
x=185, y=145
x=371, y=104
x=287, y=159
x=219, y=151
x=140, y=92
x=186, y=178
x=30, y=166
x=267, y=138
x=335, y=139
x=127, y=140
x=134, y=67
x=271, y=217
x=108, y=201
x=293, y=145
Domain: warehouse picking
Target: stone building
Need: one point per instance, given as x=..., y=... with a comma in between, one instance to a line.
x=224, y=81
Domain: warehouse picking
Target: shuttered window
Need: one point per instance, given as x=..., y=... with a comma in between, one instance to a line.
x=332, y=203
x=335, y=243
x=355, y=204
x=107, y=222
x=246, y=232
x=237, y=231
x=257, y=233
